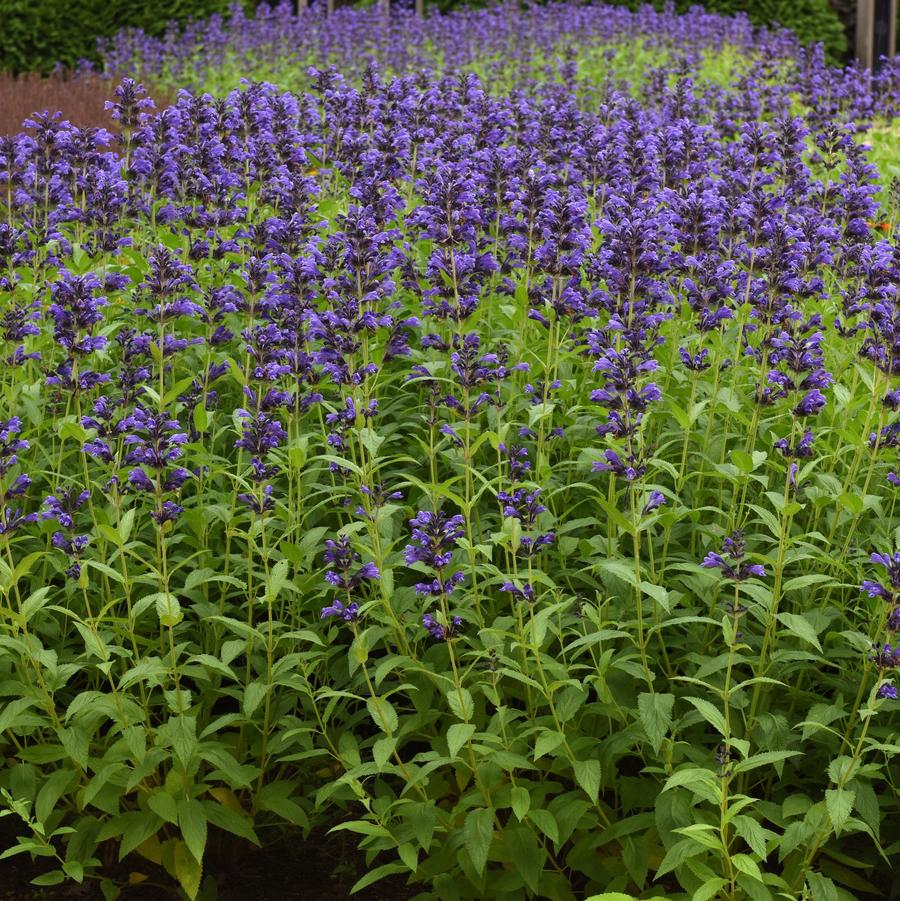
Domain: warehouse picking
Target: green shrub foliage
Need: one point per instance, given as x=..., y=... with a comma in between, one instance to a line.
x=37, y=34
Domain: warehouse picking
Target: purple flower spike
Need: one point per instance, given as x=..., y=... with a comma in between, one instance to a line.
x=730, y=560
x=440, y=632
x=348, y=613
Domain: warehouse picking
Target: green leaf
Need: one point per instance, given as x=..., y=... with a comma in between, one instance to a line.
x=188, y=870
x=35, y=601
x=656, y=716
x=747, y=865
x=168, y=609
x=822, y=888
x=621, y=570
x=164, y=806
x=384, y=715
x=388, y=869
x=839, y=803
x=371, y=441
x=478, y=832
x=278, y=579
x=711, y=714
x=752, y=833
x=382, y=750
x=461, y=704
x=74, y=869
x=126, y=523
x=587, y=775
x=527, y=855
x=801, y=627
x=799, y=582
x=709, y=889
x=678, y=854
x=520, y=801
x=546, y=822
x=254, y=694
x=54, y=877
x=546, y=742
x=192, y=822
x=762, y=759
x=457, y=735
x=612, y=896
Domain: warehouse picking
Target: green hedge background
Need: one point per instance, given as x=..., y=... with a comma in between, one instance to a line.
x=36, y=34
x=811, y=20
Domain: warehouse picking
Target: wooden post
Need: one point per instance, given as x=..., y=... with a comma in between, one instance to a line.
x=329, y=7
x=876, y=31
x=420, y=8
x=385, y=7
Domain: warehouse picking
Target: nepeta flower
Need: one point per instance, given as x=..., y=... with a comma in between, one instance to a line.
x=629, y=469
x=10, y=445
x=345, y=575
x=257, y=503
x=525, y=593
x=348, y=613
x=11, y=520
x=802, y=449
x=261, y=433
x=439, y=631
x=891, y=562
x=884, y=656
x=64, y=505
x=656, y=500
x=730, y=561
x=435, y=535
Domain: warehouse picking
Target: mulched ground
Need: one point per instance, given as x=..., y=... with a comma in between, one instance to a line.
x=80, y=100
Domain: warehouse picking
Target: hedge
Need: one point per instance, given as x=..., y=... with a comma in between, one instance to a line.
x=37, y=34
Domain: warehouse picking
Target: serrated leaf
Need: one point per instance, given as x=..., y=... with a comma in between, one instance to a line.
x=383, y=714
x=710, y=713
x=192, y=822
x=677, y=855
x=709, y=889
x=168, y=609
x=656, y=716
x=163, y=805
x=587, y=775
x=764, y=758
x=546, y=742
x=457, y=735
x=460, y=702
x=839, y=803
x=620, y=569
x=520, y=801
x=478, y=832
x=801, y=627
x=746, y=864
x=752, y=833
x=188, y=870
x=388, y=869
x=612, y=896
x=822, y=888
x=382, y=750
x=278, y=578
x=254, y=694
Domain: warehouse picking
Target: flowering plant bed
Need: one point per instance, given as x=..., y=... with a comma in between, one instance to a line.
x=498, y=469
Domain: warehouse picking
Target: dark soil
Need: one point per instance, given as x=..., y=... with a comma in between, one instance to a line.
x=322, y=868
